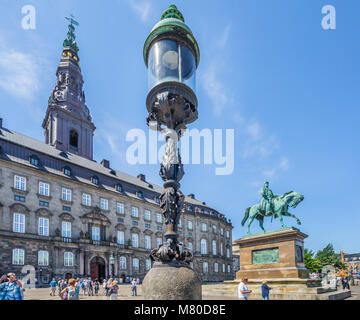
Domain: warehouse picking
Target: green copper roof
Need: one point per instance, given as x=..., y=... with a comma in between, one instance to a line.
x=171, y=20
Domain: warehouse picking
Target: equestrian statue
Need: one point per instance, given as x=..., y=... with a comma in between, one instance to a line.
x=272, y=205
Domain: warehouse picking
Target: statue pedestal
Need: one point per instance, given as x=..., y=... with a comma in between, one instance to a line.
x=171, y=281
x=273, y=255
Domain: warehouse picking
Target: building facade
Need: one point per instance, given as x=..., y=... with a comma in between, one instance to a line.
x=62, y=214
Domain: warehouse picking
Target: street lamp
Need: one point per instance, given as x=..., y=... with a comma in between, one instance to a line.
x=112, y=262
x=171, y=55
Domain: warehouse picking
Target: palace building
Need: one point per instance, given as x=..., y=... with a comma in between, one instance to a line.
x=62, y=214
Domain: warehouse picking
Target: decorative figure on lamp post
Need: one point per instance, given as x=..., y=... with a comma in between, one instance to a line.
x=171, y=55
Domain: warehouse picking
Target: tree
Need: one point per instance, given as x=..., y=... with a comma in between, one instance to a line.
x=327, y=256
x=311, y=263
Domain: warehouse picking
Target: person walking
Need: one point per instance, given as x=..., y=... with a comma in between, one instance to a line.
x=133, y=286
x=83, y=286
x=70, y=291
x=96, y=286
x=89, y=285
x=11, y=290
x=104, y=286
x=113, y=290
x=108, y=283
x=243, y=290
x=59, y=286
x=53, y=287
x=77, y=286
x=265, y=290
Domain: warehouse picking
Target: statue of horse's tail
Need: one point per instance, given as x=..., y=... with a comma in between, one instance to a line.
x=246, y=216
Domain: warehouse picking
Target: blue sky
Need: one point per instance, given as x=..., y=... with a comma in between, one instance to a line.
x=268, y=70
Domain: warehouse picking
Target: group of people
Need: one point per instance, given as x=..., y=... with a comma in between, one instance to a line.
x=244, y=292
x=71, y=289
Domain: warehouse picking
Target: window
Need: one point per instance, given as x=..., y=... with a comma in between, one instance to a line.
x=66, y=229
x=95, y=233
x=34, y=160
x=66, y=194
x=140, y=194
x=158, y=242
x=19, y=198
x=214, y=247
x=119, y=187
x=147, y=215
x=179, y=224
x=203, y=227
x=121, y=237
x=43, y=258
x=73, y=139
x=67, y=171
x=65, y=208
x=122, y=262
x=158, y=218
x=43, y=203
x=120, y=220
x=190, y=246
x=223, y=268
x=135, y=263
x=205, y=267
x=229, y=268
x=18, y=256
x=120, y=208
x=216, y=267
x=43, y=226
x=135, y=223
x=214, y=228
x=203, y=246
x=190, y=226
x=147, y=225
x=44, y=189
x=148, y=264
x=134, y=212
x=157, y=199
x=147, y=242
x=222, y=231
x=95, y=180
x=20, y=183
x=227, y=252
x=19, y=223
x=222, y=249
x=63, y=154
x=104, y=204
x=227, y=234
x=86, y=199
x=191, y=264
x=68, y=259
x=158, y=228
x=135, y=240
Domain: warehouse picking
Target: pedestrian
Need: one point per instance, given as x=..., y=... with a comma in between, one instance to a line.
x=108, y=283
x=83, y=286
x=96, y=286
x=70, y=291
x=243, y=290
x=89, y=285
x=265, y=290
x=104, y=286
x=11, y=289
x=113, y=290
x=345, y=283
x=77, y=286
x=133, y=286
x=59, y=286
x=53, y=287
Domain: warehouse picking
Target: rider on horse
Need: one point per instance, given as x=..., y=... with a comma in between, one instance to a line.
x=266, y=202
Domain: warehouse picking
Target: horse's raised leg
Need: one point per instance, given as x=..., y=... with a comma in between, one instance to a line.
x=294, y=216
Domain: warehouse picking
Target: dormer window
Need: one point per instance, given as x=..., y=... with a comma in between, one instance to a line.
x=34, y=160
x=191, y=209
x=95, y=180
x=157, y=199
x=113, y=172
x=73, y=139
x=119, y=187
x=63, y=154
x=140, y=194
x=67, y=171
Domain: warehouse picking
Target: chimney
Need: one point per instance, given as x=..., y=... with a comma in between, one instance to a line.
x=105, y=163
x=141, y=177
x=191, y=195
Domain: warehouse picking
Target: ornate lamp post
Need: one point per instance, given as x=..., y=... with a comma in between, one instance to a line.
x=112, y=262
x=171, y=55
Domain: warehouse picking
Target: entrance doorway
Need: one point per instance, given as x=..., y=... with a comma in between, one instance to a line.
x=97, y=268
x=68, y=276
x=122, y=278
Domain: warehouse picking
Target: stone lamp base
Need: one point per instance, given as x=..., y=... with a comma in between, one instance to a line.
x=171, y=281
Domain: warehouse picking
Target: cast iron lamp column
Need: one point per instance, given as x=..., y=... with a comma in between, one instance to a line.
x=171, y=55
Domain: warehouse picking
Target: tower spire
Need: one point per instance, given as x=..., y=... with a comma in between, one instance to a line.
x=68, y=125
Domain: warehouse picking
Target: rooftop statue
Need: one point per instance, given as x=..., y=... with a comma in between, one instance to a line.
x=272, y=206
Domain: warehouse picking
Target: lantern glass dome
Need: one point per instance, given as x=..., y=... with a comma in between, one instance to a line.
x=170, y=60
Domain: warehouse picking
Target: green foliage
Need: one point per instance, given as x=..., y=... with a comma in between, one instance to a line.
x=311, y=263
x=327, y=255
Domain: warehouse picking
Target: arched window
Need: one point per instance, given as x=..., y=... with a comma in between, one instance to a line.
x=34, y=160
x=148, y=264
x=73, y=139
x=119, y=187
x=140, y=194
x=214, y=247
x=95, y=180
x=203, y=246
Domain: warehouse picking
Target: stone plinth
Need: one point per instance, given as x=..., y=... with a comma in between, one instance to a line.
x=171, y=281
x=273, y=255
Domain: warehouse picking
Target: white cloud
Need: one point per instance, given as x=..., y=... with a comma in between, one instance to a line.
x=215, y=90
x=141, y=8
x=254, y=130
x=20, y=73
x=224, y=37
x=282, y=166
